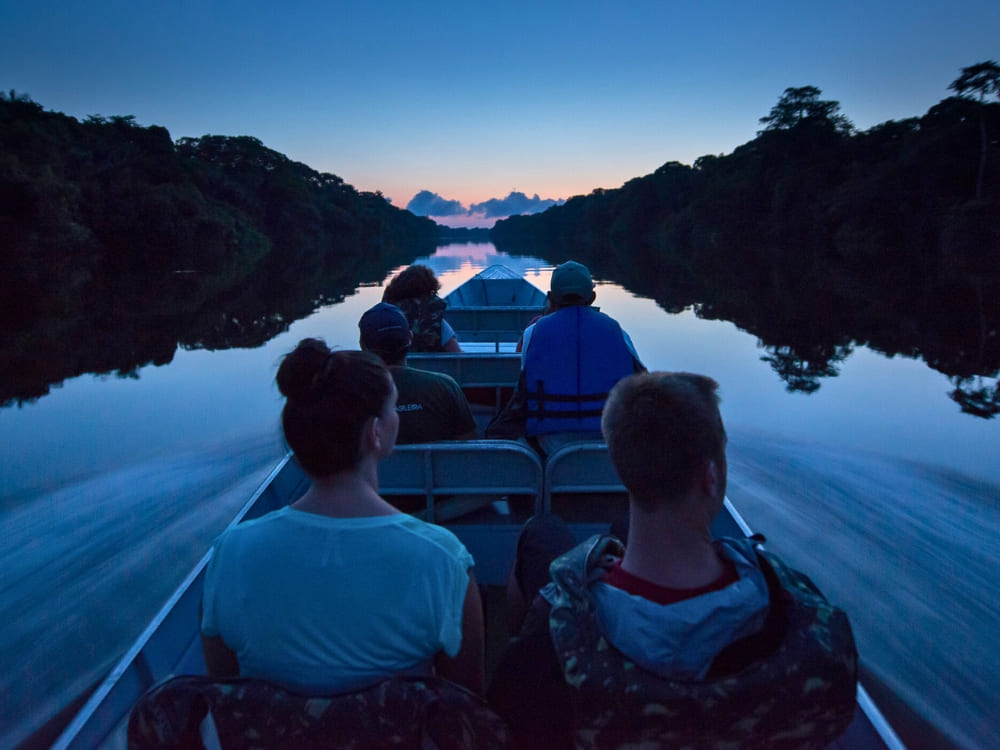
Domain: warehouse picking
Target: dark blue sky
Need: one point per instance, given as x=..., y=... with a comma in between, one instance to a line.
x=473, y=101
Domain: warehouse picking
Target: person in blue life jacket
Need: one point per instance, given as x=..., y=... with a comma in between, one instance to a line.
x=672, y=639
x=570, y=359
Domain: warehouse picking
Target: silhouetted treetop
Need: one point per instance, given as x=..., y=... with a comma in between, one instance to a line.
x=802, y=106
x=981, y=79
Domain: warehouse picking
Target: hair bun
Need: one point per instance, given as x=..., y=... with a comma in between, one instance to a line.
x=299, y=369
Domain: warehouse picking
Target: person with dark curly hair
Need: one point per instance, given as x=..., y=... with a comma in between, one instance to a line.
x=414, y=290
x=340, y=590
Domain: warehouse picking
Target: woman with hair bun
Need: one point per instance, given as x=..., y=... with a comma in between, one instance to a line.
x=414, y=290
x=340, y=590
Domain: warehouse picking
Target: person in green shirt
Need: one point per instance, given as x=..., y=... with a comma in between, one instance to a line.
x=431, y=406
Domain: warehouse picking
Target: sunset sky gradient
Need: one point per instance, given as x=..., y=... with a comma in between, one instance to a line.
x=472, y=101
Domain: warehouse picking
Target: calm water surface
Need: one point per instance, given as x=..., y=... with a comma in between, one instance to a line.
x=876, y=485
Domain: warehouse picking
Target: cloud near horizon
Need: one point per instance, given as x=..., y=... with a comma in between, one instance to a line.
x=514, y=203
x=428, y=203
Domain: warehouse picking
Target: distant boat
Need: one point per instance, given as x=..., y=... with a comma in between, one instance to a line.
x=484, y=481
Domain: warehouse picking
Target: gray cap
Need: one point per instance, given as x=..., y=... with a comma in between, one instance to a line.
x=571, y=278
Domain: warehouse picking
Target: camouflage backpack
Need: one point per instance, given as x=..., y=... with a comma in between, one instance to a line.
x=403, y=712
x=798, y=692
x=424, y=315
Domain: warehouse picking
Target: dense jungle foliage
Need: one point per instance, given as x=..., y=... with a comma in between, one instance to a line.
x=817, y=238
x=117, y=244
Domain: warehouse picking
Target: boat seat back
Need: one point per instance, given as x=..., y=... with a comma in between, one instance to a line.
x=472, y=478
x=472, y=370
x=491, y=324
x=580, y=468
x=582, y=481
x=487, y=378
x=584, y=474
x=488, y=469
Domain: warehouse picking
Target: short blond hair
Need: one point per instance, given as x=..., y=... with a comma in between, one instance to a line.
x=661, y=429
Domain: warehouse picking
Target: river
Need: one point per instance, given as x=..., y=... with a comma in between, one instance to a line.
x=875, y=485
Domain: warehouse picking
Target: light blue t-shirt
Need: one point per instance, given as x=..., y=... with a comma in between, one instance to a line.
x=323, y=604
x=447, y=332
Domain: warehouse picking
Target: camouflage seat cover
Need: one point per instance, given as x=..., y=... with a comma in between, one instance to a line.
x=402, y=712
x=424, y=315
x=798, y=692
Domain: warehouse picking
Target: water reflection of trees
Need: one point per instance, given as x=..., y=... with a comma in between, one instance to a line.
x=118, y=245
x=815, y=239
x=802, y=367
x=106, y=336
x=976, y=395
x=807, y=327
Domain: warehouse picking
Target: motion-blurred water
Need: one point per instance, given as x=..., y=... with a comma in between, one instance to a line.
x=908, y=550
x=87, y=566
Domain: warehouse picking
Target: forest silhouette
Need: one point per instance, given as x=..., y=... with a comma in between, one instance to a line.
x=117, y=244
x=817, y=238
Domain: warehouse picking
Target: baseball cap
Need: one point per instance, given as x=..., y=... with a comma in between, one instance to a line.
x=384, y=327
x=571, y=278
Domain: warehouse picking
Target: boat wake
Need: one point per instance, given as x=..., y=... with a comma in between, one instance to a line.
x=908, y=551
x=88, y=565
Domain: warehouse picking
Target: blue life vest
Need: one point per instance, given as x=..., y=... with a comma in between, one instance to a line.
x=574, y=357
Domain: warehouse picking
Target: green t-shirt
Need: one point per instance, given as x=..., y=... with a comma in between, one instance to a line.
x=431, y=406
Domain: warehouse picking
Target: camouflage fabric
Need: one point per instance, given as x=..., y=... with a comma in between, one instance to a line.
x=799, y=693
x=402, y=712
x=424, y=315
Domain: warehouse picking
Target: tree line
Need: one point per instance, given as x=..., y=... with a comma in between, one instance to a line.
x=817, y=237
x=118, y=244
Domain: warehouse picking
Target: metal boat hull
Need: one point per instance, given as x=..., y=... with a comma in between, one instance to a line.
x=487, y=474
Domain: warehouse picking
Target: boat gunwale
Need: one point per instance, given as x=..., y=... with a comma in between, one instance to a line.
x=132, y=655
